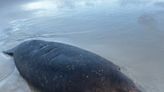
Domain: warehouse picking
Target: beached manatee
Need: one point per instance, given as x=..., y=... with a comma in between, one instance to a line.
x=58, y=67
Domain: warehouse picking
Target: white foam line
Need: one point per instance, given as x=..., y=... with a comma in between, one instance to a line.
x=70, y=33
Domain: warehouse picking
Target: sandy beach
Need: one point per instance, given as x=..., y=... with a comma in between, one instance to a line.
x=129, y=33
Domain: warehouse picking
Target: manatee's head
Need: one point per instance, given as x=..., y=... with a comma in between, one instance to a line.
x=121, y=83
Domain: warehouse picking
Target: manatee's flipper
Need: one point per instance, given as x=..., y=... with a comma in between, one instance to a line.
x=10, y=52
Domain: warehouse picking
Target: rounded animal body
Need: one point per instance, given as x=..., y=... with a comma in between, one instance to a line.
x=58, y=67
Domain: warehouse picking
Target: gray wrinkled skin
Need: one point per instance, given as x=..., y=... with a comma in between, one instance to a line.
x=57, y=67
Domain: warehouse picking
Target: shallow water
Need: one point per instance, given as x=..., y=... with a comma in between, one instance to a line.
x=127, y=32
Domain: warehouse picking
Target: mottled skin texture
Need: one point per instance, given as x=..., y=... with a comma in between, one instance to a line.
x=58, y=67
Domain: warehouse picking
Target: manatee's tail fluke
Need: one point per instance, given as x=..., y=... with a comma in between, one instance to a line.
x=9, y=52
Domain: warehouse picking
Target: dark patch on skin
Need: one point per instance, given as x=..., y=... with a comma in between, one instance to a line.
x=58, y=67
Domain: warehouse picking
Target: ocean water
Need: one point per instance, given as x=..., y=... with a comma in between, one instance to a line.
x=130, y=33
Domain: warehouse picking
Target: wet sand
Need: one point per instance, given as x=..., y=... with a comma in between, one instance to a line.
x=127, y=32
